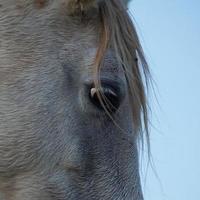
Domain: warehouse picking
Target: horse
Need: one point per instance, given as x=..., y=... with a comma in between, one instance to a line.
x=73, y=100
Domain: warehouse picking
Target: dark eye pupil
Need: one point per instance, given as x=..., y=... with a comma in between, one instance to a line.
x=110, y=99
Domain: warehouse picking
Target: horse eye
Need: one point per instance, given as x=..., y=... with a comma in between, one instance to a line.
x=110, y=98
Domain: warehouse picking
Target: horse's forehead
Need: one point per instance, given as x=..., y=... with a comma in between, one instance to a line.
x=23, y=17
x=22, y=7
x=42, y=28
x=23, y=3
x=39, y=3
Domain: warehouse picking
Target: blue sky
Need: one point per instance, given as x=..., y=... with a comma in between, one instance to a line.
x=170, y=34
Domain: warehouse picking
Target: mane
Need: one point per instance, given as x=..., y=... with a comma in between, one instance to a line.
x=118, y=32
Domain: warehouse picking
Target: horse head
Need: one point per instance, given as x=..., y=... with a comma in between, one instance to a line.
x=72, y=100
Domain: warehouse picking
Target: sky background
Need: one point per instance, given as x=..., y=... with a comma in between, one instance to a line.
x=170, y=33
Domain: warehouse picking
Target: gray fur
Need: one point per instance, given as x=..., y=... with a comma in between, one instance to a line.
x=54, y=144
